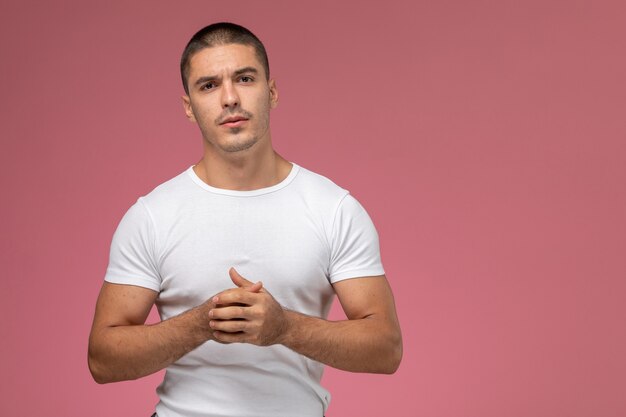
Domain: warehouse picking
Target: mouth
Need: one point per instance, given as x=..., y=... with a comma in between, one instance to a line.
x=233, y=121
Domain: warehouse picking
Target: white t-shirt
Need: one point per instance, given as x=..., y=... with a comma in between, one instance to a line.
x=298, y=237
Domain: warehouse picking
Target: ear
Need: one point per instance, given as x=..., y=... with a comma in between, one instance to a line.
x=273, y=94
x=188, y=108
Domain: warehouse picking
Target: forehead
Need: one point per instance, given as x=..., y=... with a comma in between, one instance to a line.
x=223, y=59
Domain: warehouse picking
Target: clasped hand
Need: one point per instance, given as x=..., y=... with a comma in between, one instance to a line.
x=247, y=314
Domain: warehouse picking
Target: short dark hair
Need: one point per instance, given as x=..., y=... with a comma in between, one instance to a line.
x=222, y=33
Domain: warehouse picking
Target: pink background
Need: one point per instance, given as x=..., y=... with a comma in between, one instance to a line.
x=485, y=138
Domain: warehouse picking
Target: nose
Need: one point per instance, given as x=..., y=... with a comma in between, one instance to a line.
x=230, y=98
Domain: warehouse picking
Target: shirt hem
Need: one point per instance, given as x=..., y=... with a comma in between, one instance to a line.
x=357, y=273
x=135, y=281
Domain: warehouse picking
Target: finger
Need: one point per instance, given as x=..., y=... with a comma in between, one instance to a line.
x=223, y=337
x=229, y=313
x=241, y=282
x=236, y=296
x=229, y=326
x=233, y=297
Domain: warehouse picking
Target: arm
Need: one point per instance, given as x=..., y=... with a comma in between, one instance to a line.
x=369, y=341
x=122, y=347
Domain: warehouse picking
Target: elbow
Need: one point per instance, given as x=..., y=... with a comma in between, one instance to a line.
x=394, y=361
x=100, y=379
x=394, y=357
x=98, y=370
x=105, y=370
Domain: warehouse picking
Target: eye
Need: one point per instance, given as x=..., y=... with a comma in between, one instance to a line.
x=246, y=79
x=208, y=86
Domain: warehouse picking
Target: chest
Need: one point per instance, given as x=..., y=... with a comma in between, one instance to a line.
x=285, y=247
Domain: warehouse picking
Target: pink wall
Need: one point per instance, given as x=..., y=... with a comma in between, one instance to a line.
x=485, y=138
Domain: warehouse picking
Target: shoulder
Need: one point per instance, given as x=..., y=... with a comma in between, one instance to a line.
x=170, y=193
x=319, y=187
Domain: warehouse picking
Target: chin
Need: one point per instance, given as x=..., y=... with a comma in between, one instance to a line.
x=238, y=146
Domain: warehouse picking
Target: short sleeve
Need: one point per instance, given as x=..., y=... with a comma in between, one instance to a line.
x=355, y=250
x=132, y=257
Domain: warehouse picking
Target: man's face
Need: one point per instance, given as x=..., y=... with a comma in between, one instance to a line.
x=229, y=97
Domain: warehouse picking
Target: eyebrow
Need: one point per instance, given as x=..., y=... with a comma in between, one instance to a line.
x=244, y=70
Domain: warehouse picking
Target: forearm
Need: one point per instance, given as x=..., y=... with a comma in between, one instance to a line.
x=370, y=344
x=119, y=353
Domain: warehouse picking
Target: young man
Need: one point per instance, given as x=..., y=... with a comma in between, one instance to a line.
x=242, y=254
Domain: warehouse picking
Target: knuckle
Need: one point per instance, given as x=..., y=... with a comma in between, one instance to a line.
x=254, y=313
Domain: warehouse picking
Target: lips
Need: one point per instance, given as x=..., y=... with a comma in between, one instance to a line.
x=233, y=121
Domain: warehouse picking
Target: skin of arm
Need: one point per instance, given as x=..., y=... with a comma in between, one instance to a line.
x=122, y=347
x=369, y=341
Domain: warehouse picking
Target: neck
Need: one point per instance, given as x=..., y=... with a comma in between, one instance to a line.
x=246, y=170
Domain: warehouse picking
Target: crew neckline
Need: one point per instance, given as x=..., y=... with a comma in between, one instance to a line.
x=249, y=193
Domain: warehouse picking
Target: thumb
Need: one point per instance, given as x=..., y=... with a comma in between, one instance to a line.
x=241, y=282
